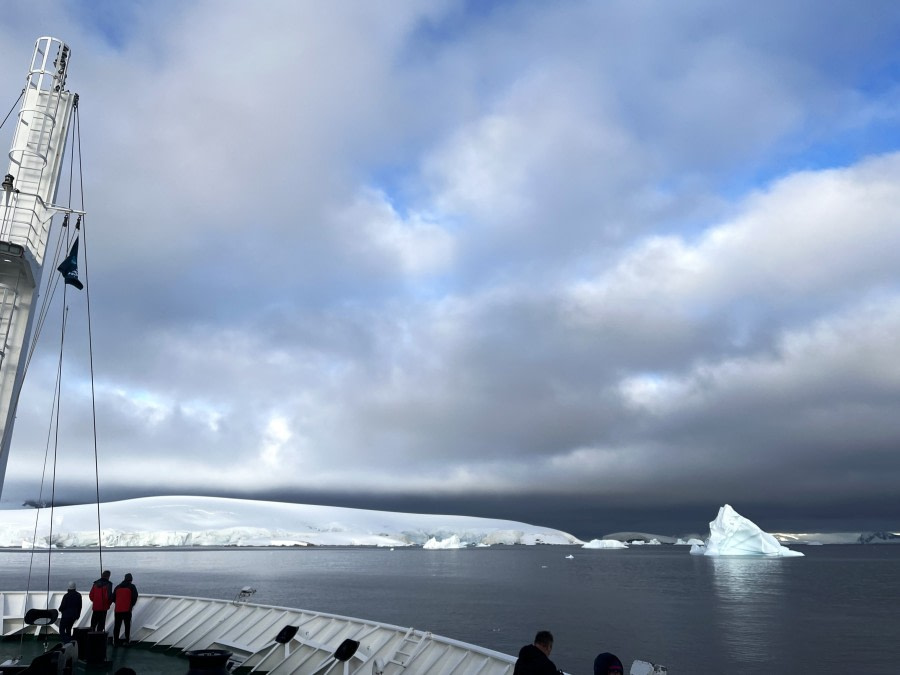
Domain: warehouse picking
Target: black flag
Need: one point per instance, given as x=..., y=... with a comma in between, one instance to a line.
x=69, y=267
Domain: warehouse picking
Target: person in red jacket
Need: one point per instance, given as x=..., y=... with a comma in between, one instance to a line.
x=125, y=596
x=101, y=600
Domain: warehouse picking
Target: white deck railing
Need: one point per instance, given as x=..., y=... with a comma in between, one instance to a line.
x=249, y=630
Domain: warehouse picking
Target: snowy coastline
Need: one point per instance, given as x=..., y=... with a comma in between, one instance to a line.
x=163, y=522
x=191, y=522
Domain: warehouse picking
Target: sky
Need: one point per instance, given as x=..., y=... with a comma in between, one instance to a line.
x=596, y=266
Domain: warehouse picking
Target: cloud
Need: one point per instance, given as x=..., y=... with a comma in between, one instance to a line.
x=378, y=235
x=592, y=253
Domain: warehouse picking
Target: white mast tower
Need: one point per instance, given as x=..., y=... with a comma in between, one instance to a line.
x=26, y=210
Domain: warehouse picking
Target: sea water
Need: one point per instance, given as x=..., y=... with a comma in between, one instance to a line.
x=833, y=611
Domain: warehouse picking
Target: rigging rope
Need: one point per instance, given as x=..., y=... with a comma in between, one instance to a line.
x=87, y=298
x=58, y=395
x=64, y=240
x=13, y=108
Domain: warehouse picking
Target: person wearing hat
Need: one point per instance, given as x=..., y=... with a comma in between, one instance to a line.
x=607, y=664
x=69, y=611
x=125, y=596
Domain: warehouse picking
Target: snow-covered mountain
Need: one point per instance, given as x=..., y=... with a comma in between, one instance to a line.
x=214, y=521
x=839, y=538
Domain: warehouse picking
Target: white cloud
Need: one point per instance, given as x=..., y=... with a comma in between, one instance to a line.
x=415, y=245
x=277, y=435
x=440, y=250
x=813, y=239
x=834, y=359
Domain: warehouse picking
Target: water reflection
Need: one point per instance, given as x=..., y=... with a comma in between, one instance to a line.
x=749, y=609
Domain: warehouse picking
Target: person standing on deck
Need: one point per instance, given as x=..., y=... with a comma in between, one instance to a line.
x=69, y=611
x=534, y=659
x=608, y=664
x=101, y=600
x=125, y=596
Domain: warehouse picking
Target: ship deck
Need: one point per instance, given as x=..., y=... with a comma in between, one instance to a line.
x=143, y=659
x=261, y=638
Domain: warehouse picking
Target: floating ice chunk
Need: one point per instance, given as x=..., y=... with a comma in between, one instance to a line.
x=605, y=543
x=647, y=668
x=287, y=542
x=450, y=542
x=690, y=542
x=570, y=557
x=732, y=534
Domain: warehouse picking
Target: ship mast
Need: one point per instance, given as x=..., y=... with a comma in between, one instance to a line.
x=26, y=210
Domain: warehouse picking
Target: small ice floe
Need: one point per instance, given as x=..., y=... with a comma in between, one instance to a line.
x=570, y=557
x=647, y=668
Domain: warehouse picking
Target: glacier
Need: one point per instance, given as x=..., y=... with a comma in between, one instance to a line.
x=820, y=538
x=220, y=521
x=732, y=534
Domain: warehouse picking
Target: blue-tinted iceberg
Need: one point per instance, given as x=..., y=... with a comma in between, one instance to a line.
x=732, y=534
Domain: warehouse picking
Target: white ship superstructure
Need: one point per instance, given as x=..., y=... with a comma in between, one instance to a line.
x=27, y=210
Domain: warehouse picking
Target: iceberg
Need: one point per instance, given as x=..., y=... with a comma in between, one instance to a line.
x=450, y=542
x=605, y=543
x=643, y=537
x=732, y=534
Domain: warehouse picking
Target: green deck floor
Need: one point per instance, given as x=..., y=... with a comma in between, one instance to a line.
x=140, y=658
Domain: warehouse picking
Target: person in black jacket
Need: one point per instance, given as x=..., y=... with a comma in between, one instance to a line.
x=534, y=659
x=69, y=611
x=125, y=596
x=608, y=664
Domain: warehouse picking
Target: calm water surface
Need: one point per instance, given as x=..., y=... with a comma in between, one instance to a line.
x=833, y=611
